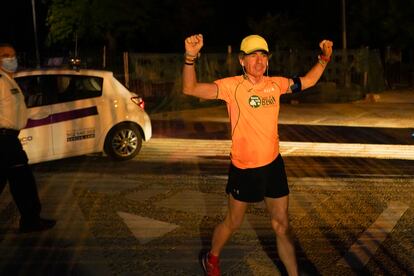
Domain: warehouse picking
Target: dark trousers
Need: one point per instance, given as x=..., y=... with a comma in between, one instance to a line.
x=14, y=169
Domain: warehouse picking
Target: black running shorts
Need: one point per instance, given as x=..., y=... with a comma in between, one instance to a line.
x=253, y=185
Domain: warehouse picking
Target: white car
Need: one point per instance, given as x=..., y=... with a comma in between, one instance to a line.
x=76, y=112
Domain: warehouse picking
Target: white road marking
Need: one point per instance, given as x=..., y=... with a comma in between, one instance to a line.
x=146, y=229
x=169, y=148
x=365, y=247
x=383, y=151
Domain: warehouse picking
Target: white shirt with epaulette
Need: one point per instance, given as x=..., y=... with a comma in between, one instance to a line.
x=13, y=111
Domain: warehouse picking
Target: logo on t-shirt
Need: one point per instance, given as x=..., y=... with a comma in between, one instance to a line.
x=254, y=101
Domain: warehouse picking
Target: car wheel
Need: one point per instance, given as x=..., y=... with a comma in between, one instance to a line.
x=123, y=142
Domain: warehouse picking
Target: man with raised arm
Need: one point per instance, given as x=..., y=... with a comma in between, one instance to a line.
x=257, y=170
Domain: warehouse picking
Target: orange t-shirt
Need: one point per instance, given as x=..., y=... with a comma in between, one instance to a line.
x=254, y=113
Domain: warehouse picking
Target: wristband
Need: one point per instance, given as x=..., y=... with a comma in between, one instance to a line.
x=324, y=58
x=190, y=59
x=186, y=59
x=323, y=63
x=186, y=54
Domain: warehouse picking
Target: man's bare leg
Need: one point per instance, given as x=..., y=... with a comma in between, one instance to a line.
x=232, y=221
x=278, y=209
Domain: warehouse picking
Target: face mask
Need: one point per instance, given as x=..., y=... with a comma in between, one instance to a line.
x=9, y=64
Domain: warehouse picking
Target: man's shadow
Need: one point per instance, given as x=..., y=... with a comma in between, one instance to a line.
x=267, y=239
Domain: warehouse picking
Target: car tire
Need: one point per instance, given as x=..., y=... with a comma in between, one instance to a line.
x=123, y=142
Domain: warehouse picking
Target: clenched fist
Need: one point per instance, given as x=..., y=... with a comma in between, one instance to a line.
x=193, y=44
x=326, y=47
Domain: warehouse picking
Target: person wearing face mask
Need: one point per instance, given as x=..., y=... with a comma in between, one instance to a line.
x=257, y=171
x=14, y=167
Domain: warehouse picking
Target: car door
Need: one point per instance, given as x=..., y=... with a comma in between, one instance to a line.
x=75, y=118
x=36, y=137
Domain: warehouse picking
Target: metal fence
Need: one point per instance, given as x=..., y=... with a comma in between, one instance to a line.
x=159, y=75
x=156, y=75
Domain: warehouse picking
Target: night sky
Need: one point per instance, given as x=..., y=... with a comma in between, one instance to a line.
x=226, y=26
x=302, y=24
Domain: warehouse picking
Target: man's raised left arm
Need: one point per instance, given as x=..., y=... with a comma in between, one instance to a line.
x=315, y=73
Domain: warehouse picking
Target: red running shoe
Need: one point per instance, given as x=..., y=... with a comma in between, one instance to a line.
x=210, y=264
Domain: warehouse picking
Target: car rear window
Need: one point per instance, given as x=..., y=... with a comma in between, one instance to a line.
x=51, y=89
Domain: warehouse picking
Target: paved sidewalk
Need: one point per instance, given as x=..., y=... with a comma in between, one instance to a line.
x=388, y=109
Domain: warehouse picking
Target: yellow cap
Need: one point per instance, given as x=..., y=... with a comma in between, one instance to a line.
x=253, y=43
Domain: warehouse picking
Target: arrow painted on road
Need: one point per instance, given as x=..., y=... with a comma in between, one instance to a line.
x=146, y=229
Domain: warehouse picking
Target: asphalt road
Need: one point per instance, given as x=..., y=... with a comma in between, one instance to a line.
x=152, y=215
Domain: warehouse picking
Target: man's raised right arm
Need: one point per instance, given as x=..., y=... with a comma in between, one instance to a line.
x=191, y=87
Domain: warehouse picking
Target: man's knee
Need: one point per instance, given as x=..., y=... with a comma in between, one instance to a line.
x=280, y=226
x=232, y=224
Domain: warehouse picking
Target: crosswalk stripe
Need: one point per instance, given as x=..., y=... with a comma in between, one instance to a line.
x=158, y=148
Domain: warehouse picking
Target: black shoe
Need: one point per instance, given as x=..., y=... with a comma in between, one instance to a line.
x=36, y=225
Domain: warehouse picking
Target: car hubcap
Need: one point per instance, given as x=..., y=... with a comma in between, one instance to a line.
x=125, y=142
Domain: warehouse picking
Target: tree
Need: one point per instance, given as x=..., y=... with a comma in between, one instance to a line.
x=96, y=21
x=280, y=30
x=381, y=23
